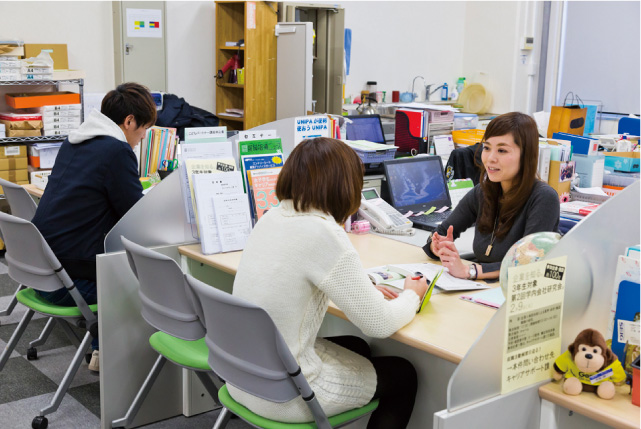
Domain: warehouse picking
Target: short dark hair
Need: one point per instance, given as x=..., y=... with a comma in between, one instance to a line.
x=323, y=174
x=129, y=99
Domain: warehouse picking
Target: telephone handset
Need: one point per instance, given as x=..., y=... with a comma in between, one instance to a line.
x=383, y=217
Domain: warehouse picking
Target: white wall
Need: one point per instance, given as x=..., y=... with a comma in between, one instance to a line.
x=392, y=42
x=86, y=28
x=191, y=52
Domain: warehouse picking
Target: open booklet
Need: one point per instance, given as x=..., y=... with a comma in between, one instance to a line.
x=394, y=278
x=432, y=272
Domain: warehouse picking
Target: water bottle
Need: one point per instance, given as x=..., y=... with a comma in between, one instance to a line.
x=444, y=92
x=460, y=84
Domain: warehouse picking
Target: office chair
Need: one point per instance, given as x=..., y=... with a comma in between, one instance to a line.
x=167, y=307
x=254, y=358
x=24, y=207
x=465, y=163
x=32, y=263
x=630, y=126
x=404, y=138
x=365, y=127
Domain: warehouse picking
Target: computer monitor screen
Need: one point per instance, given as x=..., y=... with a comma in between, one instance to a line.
x=418, y=180
x=365, y=127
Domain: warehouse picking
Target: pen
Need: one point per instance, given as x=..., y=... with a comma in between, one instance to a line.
x=417, y=276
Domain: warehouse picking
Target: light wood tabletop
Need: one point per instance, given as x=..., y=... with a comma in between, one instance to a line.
x=617, y=412
x=447, y=327
x=33, y=190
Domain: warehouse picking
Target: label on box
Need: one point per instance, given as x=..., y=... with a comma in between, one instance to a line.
x=11, y=150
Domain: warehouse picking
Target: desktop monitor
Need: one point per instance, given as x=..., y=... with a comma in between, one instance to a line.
x=365, y=127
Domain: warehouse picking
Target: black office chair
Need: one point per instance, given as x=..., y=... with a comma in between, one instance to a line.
x=365, y=127
x=465, y=163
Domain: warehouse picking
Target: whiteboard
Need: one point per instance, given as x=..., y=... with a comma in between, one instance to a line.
x=600, y=54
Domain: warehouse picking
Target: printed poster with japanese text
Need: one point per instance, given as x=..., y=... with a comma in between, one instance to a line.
x=532, y=338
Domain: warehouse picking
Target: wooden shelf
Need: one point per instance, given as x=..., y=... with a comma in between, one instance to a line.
x=231, y=48
x=231, y=118
x=232, y=85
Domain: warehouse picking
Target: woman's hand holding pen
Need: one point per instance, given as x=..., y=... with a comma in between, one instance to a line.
x=417, y=283
x=438, y=240
x=451, y=260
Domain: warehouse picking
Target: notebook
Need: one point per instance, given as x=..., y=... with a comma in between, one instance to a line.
x=418, y=185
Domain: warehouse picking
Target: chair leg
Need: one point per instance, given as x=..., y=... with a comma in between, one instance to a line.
x=7, y=311
x=128, y=419
x=15, y=337
x=211, y=387
x=68, y=378
x=44, y=334
x=70, y=333
x=223, y=419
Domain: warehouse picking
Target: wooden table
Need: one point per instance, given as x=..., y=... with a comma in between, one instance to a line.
x=446, y=328
x=617, y=412
x=33, y=190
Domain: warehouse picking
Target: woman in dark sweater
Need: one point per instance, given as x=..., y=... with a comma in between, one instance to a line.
x=509, y=203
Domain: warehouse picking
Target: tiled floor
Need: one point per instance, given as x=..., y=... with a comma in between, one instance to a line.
x=27, y=386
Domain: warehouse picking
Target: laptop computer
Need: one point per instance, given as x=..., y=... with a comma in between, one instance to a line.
x=417, y=184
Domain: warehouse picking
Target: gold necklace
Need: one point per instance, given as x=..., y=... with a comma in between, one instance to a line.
x=489, y=247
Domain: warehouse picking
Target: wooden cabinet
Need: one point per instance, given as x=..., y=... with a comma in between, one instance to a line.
x=254, y=22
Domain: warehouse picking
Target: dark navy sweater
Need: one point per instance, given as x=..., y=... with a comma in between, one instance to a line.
x=92, y=185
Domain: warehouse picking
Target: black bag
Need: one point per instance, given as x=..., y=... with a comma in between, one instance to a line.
x=177, y=113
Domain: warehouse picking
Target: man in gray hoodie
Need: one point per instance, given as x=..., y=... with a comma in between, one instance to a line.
x=94, y=182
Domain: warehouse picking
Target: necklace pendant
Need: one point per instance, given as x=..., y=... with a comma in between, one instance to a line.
x=489, y=250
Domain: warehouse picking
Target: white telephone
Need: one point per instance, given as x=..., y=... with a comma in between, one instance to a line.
x=383, y=217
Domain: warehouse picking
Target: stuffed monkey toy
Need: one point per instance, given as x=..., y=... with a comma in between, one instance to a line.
x=589, y=365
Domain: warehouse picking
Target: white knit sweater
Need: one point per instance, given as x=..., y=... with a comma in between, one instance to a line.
x=292, y=265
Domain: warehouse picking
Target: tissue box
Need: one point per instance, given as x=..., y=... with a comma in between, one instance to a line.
x=622, y=161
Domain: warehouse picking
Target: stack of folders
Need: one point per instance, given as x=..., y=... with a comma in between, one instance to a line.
x=157, y=149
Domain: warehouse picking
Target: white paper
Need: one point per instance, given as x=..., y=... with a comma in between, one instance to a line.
x=445, y=282
x=206, y=186
x=144, y=23
x=207, y=150
x=628, y=332
x=205, y=134
x=592, y=191
x=444, y=145
x=233, y=221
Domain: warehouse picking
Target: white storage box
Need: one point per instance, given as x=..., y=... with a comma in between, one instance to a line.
x=43, y=155
x=465, y=121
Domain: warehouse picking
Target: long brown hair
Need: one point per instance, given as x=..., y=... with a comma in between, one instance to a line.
x=324, y=174
x=523, y=130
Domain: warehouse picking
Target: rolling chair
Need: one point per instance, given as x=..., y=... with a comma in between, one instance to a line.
x=167, y=307
x=24, y=207
x=465, y=163
x=32, y=263
x=365, y=127
x=254, y=357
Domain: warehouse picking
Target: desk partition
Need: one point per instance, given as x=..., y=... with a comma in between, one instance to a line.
x=591, y=248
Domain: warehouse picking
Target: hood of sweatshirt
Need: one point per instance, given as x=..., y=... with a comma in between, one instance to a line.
x=96, y=125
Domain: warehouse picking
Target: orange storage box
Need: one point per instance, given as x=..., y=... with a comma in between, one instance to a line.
x=467, y=137
x=39, y=99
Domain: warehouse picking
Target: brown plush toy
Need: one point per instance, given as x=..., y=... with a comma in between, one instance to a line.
x=589, y=365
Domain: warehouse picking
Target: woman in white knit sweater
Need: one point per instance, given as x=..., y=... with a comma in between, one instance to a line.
x=297, y=258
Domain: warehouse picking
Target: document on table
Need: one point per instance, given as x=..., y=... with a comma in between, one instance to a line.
x=446, y=281
x=206, y=186
x=233, y=221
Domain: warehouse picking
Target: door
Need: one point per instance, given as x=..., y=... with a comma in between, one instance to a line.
x=140, y=43
x=294, y=71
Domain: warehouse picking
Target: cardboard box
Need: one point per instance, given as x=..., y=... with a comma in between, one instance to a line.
x=39, y=177
x=622, y=161
x=26, y=122
x=560, y=177
x=39, y=99
x=43, y=157
x=13, y=164
x=15, y=176
x=24, y=133
x=13, y=151
x=20, y=182
x=68, y=74
x=58, y=53
x=13, y=51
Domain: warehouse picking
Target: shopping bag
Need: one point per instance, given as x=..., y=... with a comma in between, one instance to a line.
x=568, y=118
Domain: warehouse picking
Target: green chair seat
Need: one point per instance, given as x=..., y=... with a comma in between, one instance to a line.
x=191, y=354
x=242, y=412
x=31, y=299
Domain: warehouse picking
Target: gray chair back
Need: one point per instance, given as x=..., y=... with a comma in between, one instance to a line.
x=20, y=202
x=29, y=258
x=247, y=350
x=165, y=303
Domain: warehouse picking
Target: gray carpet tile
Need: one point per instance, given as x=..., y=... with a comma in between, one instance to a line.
x=3, y=345
x=7, y=285
x=54, y=363
x=70, y=415
x=18, y=311
x=88, y=395
x=56, y=339
x=3, y=266
x=19, y=380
